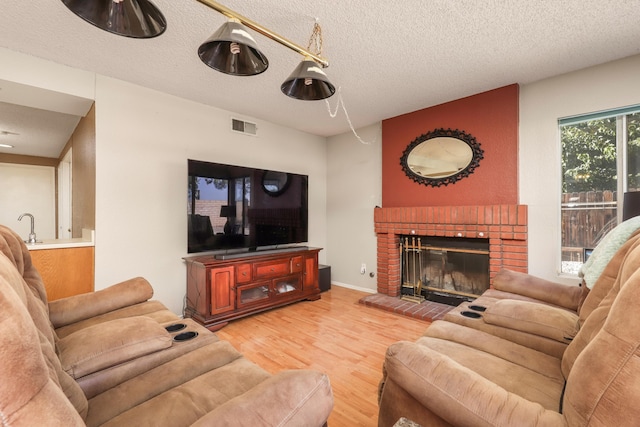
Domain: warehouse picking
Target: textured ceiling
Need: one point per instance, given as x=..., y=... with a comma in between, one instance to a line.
x=387, y=58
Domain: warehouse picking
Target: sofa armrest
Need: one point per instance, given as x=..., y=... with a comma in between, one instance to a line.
x=535, y=287
x=111, y=343
x=458, y=395
x=73, y=309
x=290, y=398
x=533, y=318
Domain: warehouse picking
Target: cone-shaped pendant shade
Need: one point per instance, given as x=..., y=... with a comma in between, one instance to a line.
x=232, y=50
x=308, y=82
x=129, y=18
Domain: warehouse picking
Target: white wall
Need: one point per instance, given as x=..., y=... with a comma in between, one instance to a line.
x=28, y=188
x=143, y=141
x=39, y=73
x=603, y=87
x=354, y=188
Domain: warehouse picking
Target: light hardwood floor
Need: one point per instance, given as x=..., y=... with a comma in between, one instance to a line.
x=336, y=335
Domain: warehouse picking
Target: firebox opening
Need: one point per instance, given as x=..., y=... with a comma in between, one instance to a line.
x=447, y=270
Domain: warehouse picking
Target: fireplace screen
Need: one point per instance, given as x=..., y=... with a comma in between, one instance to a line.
x=444, y=269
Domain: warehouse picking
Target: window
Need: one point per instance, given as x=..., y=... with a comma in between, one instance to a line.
x=600, y=161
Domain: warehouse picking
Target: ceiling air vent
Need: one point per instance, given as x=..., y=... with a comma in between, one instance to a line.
x=244, y=127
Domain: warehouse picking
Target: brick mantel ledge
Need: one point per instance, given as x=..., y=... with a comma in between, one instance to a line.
x=505, y=226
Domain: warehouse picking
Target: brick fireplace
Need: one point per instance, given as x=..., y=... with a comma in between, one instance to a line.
x=505, y=226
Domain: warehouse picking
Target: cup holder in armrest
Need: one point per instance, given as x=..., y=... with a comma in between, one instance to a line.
x=175, y=327
x=477, y=307
x=185, y=336
x=471, y=314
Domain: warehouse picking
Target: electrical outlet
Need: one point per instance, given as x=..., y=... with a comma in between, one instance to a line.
x=363, y=268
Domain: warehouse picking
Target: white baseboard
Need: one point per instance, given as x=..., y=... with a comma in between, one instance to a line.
x=357, y=288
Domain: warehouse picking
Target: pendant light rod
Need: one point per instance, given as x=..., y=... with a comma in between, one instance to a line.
x=264, y=31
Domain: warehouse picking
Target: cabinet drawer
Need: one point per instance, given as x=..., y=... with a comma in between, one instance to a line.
x=243, y=273
x=296, y=264
x=263, y=270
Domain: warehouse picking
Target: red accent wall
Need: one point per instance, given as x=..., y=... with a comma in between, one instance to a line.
x=491, y=117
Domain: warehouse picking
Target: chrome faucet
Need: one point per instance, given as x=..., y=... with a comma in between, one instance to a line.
x=32, y=235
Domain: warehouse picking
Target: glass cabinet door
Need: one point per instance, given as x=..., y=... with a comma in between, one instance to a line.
x=248, y=295
x=287, y=286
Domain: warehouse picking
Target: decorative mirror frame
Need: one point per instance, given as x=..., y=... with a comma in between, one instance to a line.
x=271, y=175
x=476, y=156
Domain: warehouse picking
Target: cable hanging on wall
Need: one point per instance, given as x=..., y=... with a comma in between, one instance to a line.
x=333, y=115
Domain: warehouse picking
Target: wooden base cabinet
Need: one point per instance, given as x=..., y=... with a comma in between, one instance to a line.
x=222, y=290
x=65, y=271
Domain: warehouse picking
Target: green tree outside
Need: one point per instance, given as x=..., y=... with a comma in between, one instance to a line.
x=589, y=155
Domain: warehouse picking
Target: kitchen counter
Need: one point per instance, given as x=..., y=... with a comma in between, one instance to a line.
x=87, y=239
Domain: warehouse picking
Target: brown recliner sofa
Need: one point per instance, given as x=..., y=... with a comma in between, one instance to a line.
x=137, y=373
x=106, y=337
x=126, y=299
x=537, y=313
x=457, y=375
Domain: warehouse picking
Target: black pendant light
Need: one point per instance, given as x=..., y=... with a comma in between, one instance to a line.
x=232, y=50
x=308, y=82
x=129, y=18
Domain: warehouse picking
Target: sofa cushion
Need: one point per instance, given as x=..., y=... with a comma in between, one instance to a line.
x=529, y=358
x=511, y=376
x=80, y=307
x=453, y=393
x=595, y=321
x=30, y=390
x=152, y=309
x=12, y=246
x=100, y=381
x=13, y=281
x=182, y=390
x=188, y=401
x=603, y=387
x=537, y=342
x=34, y=305
x=537, y=319
x=111, y=343
x=540, y=289
x=496, y=294
x=299, y=398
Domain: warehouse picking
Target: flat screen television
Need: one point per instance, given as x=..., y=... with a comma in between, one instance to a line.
x=234, y=209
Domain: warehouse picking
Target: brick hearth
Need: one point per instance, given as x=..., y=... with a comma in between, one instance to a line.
x=505, y=226
x=426, y=310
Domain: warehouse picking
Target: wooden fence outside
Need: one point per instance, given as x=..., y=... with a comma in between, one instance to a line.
x=586, y=218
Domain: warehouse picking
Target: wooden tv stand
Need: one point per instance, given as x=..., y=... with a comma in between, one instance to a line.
x=221, y=290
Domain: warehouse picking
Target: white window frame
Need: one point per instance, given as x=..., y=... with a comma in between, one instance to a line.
x=621, y=148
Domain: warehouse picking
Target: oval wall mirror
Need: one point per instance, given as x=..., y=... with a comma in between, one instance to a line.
x=441, y=157
x=275, y=183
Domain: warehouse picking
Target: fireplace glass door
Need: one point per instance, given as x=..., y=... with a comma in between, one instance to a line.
x=444, y=269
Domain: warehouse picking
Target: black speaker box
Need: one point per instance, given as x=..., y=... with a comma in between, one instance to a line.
x=324, y=277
